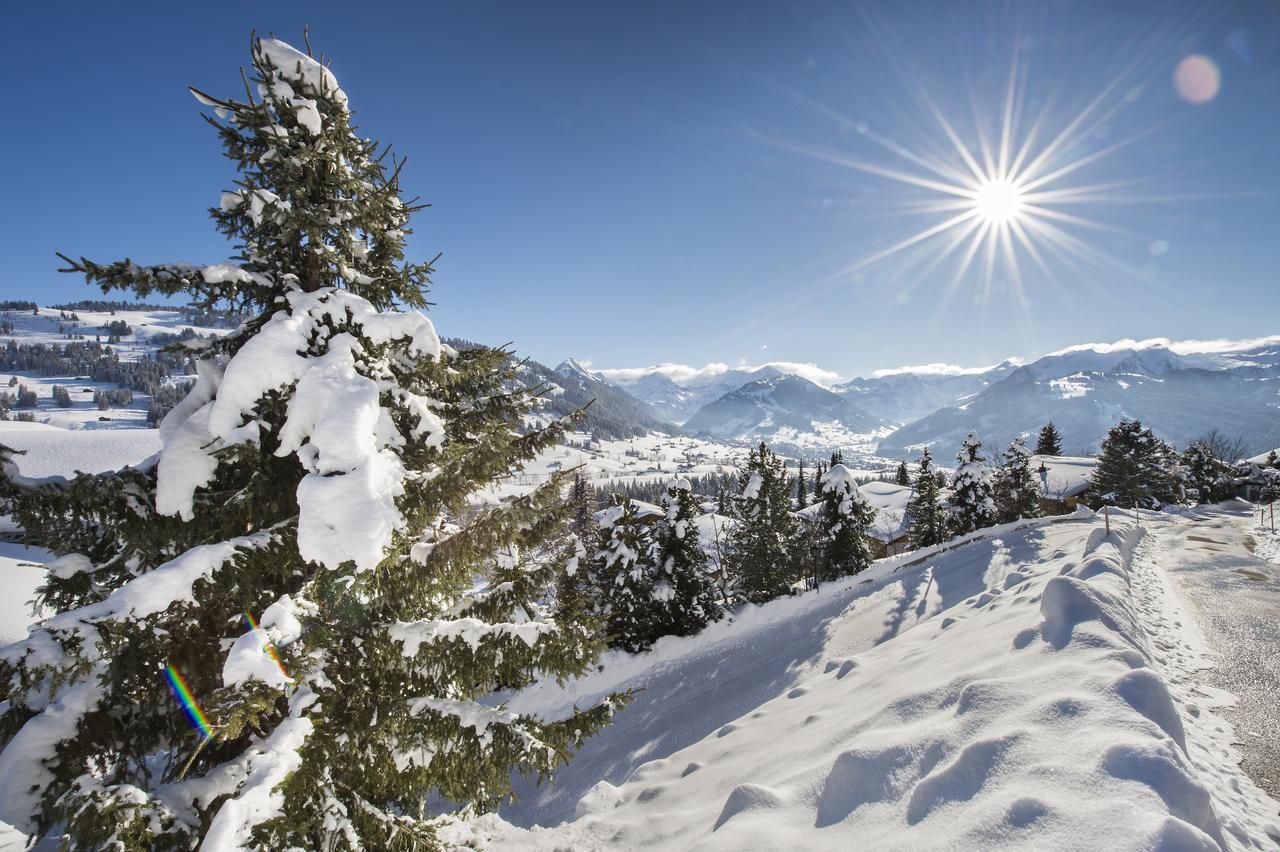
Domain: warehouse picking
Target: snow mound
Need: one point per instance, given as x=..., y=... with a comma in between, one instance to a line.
x=997, y=694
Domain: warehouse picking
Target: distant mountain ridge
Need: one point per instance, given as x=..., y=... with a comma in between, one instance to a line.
x=1181, y=391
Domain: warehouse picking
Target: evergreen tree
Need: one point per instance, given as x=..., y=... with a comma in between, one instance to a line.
x=836, y=458
x=802, y=487
x=626, y=578
x=903, y=477
x=681, y=565
x=759, y=545
x=1050, y=441
x=575, y=591
x=973, y=505
x=927, y=519
x=298, y=559
x=1273, y=460
x=1133, y=467
x=1017, y=494
x=842, y=525
x=1207, y=475
x=61, y=396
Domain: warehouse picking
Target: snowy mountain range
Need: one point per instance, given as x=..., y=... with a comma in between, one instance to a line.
x=789, y=412
x=1086, y=390
x=1181, y=389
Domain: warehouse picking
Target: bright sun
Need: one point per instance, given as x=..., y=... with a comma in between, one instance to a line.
x=998, y=201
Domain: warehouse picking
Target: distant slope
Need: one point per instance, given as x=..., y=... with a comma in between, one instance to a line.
x=784, y=410
x=678, y=402
x=901, y=397
x=1086, y=391
x=613, y=413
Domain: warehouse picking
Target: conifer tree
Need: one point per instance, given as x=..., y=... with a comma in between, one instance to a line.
x=1206, y=474
x=842, y=525
x=1017, y=493
x=681, y=565
x=296, y=559
x=759, y=545
x=927, y=519
x=1133, y=467
x=575, y=591
x=972, y=506
x=1050, y=441
x=903, y=476
x=626, y=578
x=1273, y=460
x=802, y=487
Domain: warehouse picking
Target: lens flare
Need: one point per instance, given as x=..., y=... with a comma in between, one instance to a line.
x=268, y=647
x=189, y=704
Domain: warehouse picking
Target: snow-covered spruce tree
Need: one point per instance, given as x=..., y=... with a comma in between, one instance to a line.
x=1050, y=441
x=842, y=523
x=760, y=543
x=681, y=565
x=575, y=592
x=802, y=487
x=625, y=579
x=973, y=506
x=293, y=558
x=1133, y=467
x=1015, y=487
x=902, y=477
x=1207, y=475
x=925, y=515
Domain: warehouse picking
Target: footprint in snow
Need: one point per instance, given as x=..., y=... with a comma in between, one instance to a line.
x=726, y=730
x=797, y=692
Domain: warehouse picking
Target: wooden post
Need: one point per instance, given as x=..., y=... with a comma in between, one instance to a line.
x=1106, y=516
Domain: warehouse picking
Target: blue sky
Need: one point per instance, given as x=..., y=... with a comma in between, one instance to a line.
x=635, y=183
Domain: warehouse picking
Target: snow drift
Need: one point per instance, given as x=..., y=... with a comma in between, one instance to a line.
x=1001, y=693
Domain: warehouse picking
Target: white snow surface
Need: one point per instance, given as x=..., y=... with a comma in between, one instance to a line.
x=1006, y=692
x=51, y=451
x=1065, y=476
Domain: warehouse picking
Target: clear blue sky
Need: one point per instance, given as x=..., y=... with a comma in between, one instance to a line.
x=633, y=183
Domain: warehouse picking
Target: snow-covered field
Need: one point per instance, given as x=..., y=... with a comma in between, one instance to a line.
x=50, y=327
x=1026, y=690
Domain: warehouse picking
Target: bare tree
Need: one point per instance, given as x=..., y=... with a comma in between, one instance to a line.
x=1227, y=448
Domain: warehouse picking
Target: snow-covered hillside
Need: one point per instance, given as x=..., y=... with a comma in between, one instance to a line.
x=1028, y=690
x=131, y=335
x=1180, y=394
x=790, y=413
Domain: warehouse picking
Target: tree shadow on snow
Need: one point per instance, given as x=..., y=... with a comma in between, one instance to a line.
x=690, y=699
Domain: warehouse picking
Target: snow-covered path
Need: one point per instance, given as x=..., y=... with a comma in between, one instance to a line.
x=1035, y=689
x=1233, y=598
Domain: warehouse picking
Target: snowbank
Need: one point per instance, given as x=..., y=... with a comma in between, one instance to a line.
x=51, y=451
x=996, y=694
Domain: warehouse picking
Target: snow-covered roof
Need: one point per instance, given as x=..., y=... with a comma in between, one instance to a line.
x=890, y=502
x=1067, y=476
x=644, y=511
x=1261, y=458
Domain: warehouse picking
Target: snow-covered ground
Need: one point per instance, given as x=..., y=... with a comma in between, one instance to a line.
x=50, y=450
x=50, y=327
x=1027, y=690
